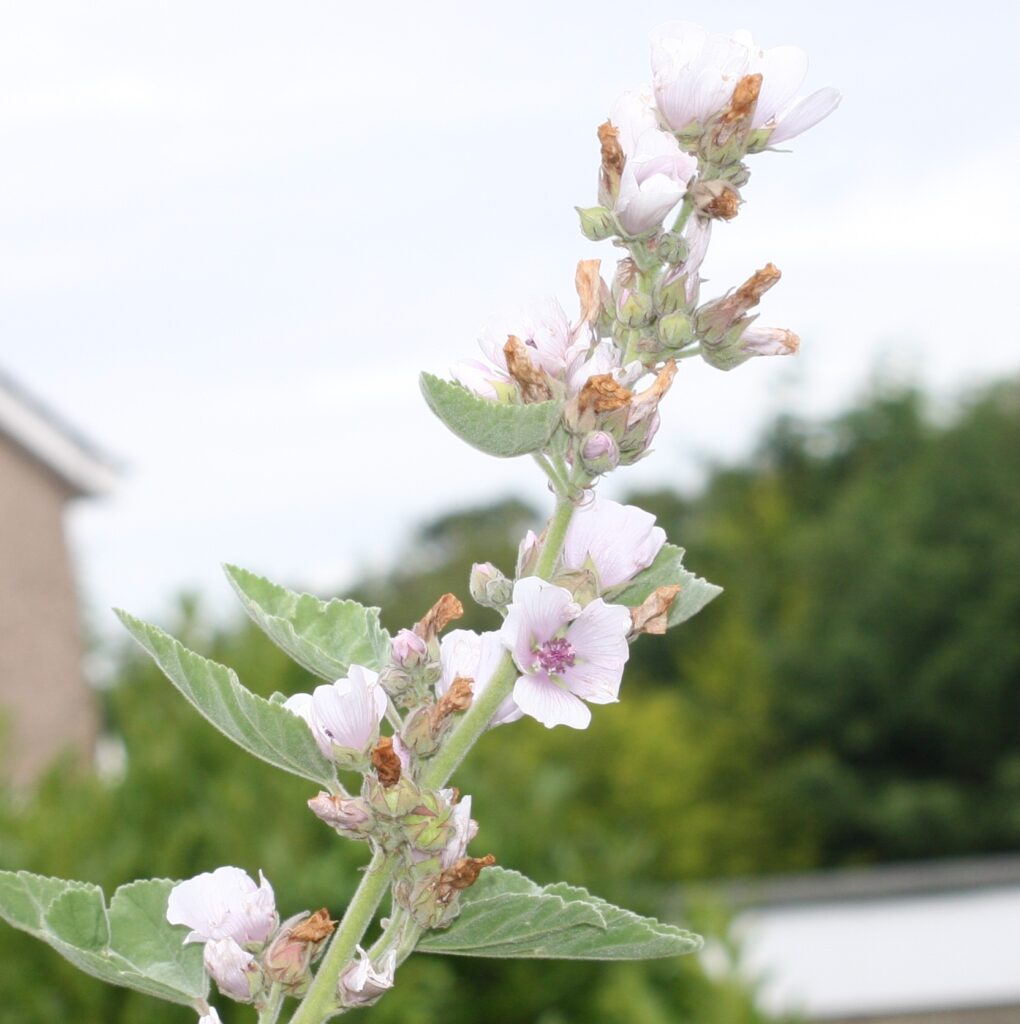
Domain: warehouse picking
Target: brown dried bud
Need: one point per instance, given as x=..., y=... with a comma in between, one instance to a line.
x=532, y=383
x=589, y=289
x=745, y=96
x=716, y=199
x=647, y=401
x=385, y=762
x=438, y=617
x=613, y=159
x=457, y=698
x=314, y=928
x=463, y=874
x=602, y=393
x=652, y=615
x=750, y=292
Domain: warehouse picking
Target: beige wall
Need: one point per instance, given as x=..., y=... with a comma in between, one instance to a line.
x=989, y=1015
x=43, y=697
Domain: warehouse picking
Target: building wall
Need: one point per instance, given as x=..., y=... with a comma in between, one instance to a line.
x=985, y=1015
x=44, y=702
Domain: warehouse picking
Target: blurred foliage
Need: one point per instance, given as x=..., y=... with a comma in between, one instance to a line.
x=852, y=697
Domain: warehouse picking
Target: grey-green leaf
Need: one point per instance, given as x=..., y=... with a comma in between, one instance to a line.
x=130, y=944
x=263, y=728
x=667, y=569
x=506, y=915
x=326, y=637
x=491, y=427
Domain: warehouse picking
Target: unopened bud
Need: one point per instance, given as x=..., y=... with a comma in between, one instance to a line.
x=362, y=983
x=407, y=649
x=599, y=453
x=671, y=248
x=597, y=223
x=236, y=972
x=675, y=330
x=350, y=816
x=489, y=587
x=296, y=947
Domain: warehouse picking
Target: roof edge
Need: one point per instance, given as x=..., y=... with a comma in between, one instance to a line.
x=52, y=443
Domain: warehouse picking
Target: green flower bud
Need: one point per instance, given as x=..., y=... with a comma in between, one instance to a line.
x=675, y=330
x=597, y=223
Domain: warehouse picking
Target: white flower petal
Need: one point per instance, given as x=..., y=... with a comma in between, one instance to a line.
x=804, y=114
x=549, y=704
x=783, y=70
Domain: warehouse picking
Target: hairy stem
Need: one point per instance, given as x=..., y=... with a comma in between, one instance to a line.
x=320, y=1003
x=274, y=1002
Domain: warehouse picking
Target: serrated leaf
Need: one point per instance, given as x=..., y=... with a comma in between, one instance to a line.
x=666, y=570
x=325, y=637
x=132, y=944
x=506, y=915
x=491, y=427
x=267, y=730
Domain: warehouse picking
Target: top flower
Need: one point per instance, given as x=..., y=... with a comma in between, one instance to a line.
x=695, y=73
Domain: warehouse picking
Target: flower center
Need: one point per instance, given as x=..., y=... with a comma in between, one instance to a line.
x=555, y=655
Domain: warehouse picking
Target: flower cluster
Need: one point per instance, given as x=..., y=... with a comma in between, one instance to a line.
x=584, y=589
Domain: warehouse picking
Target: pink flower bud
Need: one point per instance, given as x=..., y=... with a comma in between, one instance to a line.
x=600, y=452
x=407, y=649
x=363, y=982
x=350, y=816
x=235, y=971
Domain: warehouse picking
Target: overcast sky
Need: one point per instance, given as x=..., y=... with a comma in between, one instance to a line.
x=233, y=233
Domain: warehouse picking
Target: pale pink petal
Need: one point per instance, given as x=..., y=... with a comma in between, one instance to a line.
x=546, y=702
x=804, y=114
x=783, y=70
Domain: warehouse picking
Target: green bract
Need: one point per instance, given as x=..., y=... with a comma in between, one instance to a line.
x=491, y=427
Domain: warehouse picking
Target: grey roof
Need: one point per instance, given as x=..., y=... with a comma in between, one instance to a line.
x=52, y=442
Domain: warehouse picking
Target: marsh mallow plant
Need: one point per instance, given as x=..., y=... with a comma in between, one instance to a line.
x=382, y=734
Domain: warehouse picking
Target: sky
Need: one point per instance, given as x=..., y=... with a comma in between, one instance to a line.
x=232, y=234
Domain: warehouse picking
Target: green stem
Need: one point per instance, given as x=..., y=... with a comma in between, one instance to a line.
x=320, y=1003
x=274, y=1002
x=477, y=717
x=682, y=217
x=555, y=476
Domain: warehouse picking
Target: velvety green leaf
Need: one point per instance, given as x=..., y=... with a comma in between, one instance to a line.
x=666, y=570
x=264, y=729
x=491, y=427
x=132, y=944
x=506, y=915
x=326, y=637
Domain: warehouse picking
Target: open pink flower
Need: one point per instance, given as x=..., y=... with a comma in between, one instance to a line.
x=462, y=652
x=656, y=171
x=615, y=541
x=565, y=655
x=696, y=71
x=344, y=716
x=224, y=904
